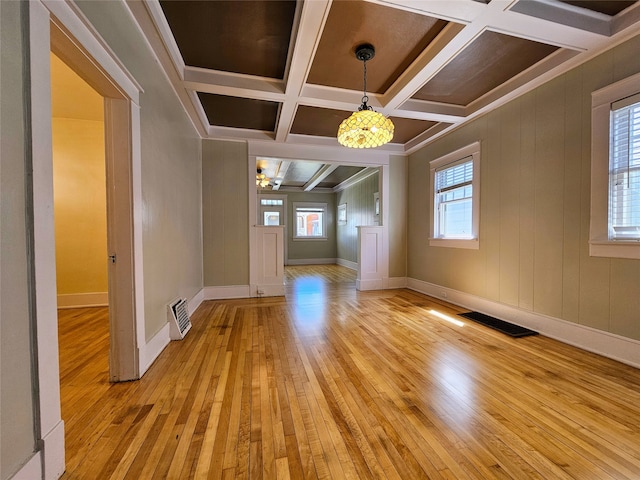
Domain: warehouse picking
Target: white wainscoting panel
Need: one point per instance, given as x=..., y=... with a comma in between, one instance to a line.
x=269, y=258
x=373, y=264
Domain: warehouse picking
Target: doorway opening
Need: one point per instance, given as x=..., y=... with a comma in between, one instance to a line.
x=97, y=148
x=80, y=220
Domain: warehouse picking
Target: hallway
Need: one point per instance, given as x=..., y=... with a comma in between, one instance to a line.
x=329, y=382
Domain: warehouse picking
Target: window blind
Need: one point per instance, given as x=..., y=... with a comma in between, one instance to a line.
x=454, y=200
x=624, y=170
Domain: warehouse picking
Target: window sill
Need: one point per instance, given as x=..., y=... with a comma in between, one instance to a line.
x=310, y=239
x=471, y=243
x=615, y=249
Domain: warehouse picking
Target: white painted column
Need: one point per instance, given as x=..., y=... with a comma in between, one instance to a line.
x=373, y=261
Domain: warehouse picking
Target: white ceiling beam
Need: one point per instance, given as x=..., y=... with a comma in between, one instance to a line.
x=461, y=11
x=251, y=86
x=312, y=19
x=281, y=173
x=320, y=175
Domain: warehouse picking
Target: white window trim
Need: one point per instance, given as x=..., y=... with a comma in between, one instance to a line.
x=599, y=243
x=325, y=215
x=473, y=151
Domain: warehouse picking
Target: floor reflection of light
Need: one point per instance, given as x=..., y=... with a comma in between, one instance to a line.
x=447, y=318
x=309, y=300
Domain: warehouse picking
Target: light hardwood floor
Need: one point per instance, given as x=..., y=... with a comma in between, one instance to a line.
x=329, y=382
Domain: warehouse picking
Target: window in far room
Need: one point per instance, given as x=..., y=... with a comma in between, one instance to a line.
x=310, y=221
x=456, y=203
x=615, y=170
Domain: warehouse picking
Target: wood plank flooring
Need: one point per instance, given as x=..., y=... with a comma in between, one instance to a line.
x=332, y=383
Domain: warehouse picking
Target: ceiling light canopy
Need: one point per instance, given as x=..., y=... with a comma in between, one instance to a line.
x=365, y=128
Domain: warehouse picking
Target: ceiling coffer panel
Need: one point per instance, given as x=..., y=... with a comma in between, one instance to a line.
x=489, y=61
x=407, y=128
x=323, y=122
x=608, y=7
x=249, y=37
x=299, y=173
x=238, y=112
x=397, y=35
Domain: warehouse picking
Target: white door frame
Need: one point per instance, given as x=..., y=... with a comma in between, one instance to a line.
x=326, y=154
x=284, y=217
x=62, y=28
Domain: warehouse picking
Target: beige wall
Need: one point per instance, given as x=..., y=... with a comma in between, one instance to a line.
x=312, y=249
x=534, y=211
x=171, y=170
x=16, y=368
x=309, y=249
x=360, y=212
x=398, y=171
x=80, y=209
x=225, y=213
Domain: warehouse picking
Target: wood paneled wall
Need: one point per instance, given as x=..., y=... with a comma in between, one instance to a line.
x=225, y=213
x=535, y=207
x=360, y=211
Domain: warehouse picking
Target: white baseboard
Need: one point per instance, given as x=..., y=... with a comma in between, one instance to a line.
x=267, y=290
x=397, y=282
x=347, y=263
x=616, y=347
x=225, y=292
x=154, y=347
x=31, y=470
x=195, y=301
x=48, y=462
x=312, y=261
x=79, y=300
x=53, y=450
x=375, y=284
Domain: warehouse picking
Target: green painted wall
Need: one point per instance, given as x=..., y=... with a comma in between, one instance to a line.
x=171, y=170
x=225, y=213
x=311, y=249
x=16, y=367
x=535, y=207
x=397, y=219
x=359, y=199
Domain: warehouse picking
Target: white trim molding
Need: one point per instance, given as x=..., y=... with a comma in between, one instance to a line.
x=397, y=282
x=616, y=347
x=81, y=300
x=226, y=292
x=154, y=347
x=347, y=263
x=314, y=261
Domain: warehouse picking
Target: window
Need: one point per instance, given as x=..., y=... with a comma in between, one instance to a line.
x=624, y=170
x=455, y=187
x=615, y=170
x=271, y=201
x=310, y=220
x=271, y=218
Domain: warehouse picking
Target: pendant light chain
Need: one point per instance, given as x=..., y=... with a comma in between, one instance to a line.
x=365, y=98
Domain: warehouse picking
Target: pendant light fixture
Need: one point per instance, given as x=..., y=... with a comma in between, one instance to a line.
x=261, y=179
x=365, y=128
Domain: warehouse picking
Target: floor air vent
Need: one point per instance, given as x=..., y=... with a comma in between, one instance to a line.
x=179, y=319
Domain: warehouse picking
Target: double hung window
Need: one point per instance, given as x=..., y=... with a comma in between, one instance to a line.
x=614, y=229
x=455, y=187
x=310, y=220
x=624, y=170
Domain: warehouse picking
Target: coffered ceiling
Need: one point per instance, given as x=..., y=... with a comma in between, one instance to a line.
x=284, y=72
